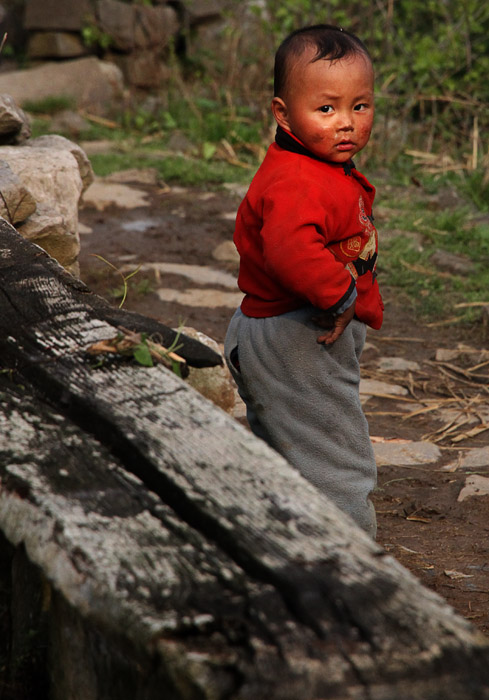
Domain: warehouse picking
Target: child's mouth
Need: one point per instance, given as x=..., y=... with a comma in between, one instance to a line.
x=345, y=145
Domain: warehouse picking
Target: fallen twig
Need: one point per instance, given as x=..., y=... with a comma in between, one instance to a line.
x=99, y=120
x=468, y=374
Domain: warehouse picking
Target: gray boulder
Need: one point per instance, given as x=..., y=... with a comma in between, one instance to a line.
x=52, y=177
x=16, y=201
x=14, y=122
x=57, y=142
x=92, y=84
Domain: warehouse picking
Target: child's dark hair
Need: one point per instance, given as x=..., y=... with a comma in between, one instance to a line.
x=330, y=42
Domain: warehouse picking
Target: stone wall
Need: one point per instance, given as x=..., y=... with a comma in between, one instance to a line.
x=136, y=37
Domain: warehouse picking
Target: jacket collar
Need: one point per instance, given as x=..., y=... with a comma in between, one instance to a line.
x=288, y=142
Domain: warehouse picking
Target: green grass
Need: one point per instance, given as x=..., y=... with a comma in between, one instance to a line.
x=173, y=169
x=49, y=105
x=406, y=261
x=222, y=143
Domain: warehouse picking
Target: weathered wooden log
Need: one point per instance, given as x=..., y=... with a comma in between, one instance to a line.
x=174, y=554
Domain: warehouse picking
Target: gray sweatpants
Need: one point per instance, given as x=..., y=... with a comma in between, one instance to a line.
x=303, y=399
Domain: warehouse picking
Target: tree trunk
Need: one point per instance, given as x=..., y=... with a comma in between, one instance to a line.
x=175, y=555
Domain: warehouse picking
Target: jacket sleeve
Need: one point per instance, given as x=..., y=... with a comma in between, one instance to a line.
x=295, y=236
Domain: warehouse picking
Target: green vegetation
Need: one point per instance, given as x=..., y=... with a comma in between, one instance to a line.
x=422, y=225
x=94, y=38
x=173, y=169
x=431, y=61
x=49, y=105
x=124, y=278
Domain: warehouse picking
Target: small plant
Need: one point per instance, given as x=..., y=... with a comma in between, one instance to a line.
x=124, y=278
x=145, y=286
x=94, y=38
x=144, y=350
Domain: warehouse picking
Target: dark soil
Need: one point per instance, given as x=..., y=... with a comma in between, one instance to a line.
x=445, y=543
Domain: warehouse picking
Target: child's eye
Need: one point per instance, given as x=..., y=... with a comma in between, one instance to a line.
x=361, y=107
x=326, y=109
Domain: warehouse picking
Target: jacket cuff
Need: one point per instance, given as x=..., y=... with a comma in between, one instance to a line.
x=346, y=300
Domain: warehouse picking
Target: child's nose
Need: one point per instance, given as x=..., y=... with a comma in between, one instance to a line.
x=345, y=121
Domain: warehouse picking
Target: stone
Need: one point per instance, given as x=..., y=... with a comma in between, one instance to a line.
x=476, y=458
x=369, y=352
x=56, y=142
x=68, y=122
x=215, y=383
x=447, y=198
x=236, y=189
x=117, y=19
x=200, y=274
x=55, y=45
x=373, y=387
x=140, y=176
x=200, y=11
x=67, y=15
x=209, y=298
x=475, y=355
x=47, y=228
x=143, y=68
x=93, y=148
x=53, y=178
x=16, y=201
x=475, y=485
x=405, y=454
x=92, y=84
x=14, y=123
x=453, y=263
x=397, y=364
x=102, y=194
x=142, y=31
x=154, y=27
x=84, y=230
x=167, y=19
x=179, y=143
x=154, y=104
x=226, y=252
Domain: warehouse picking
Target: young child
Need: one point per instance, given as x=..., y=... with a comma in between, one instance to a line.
x=308, y=250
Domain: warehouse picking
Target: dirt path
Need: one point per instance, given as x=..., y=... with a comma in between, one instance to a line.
x=424, y=389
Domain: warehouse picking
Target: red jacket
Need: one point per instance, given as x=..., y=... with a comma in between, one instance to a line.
x=304, y=233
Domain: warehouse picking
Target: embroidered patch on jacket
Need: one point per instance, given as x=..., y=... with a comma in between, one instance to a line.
x=363, y=251
x=368, y=230
x=351, y=247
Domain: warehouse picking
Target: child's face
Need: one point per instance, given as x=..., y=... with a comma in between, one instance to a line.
x=329, y=106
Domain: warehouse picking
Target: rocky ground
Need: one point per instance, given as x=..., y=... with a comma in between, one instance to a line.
x=424, y=387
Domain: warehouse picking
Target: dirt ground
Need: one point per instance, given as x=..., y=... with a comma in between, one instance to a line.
x=442, y=540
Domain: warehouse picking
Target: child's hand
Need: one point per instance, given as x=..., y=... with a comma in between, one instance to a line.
x=335, y=324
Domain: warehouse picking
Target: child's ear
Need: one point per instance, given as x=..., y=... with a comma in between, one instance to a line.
x=280, y=113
